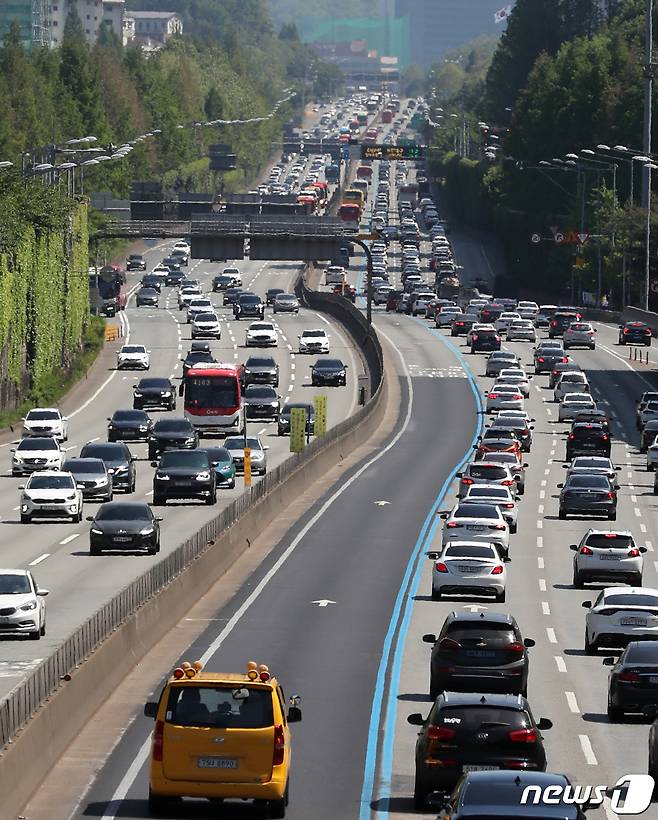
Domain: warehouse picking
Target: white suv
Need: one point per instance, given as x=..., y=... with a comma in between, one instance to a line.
x=46, y=421
x=51, y=494
x=607, y=555
x=135, y=357
x=619, y=615
x=313, y=341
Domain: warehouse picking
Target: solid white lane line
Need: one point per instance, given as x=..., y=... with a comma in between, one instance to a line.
x=545, y=608
x=550, y=632
x=586, y=746
x=573, y=703
x=70, y=538
x=542, y=585
x=39, y=559
x=561, y=665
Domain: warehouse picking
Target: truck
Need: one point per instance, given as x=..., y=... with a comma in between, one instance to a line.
x=448, y=287
x=106, y=296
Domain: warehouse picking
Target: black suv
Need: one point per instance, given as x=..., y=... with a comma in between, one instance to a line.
x=484, y=340
x=150, y=280
x=221, y=282
x=129, y=424
x=271, y=295
x=479, y=652
x=636, y=666
x=184, y=474
x=135, y=262
x=118, y=460
x=635, y=333
x=195, y=357
x=174, y=278
x=261, y=370
x=262, y=401
x=249, y=306
x=172, y=434
x=472, y=729
x=588, y=439
x=154, y=392
x=561, y=321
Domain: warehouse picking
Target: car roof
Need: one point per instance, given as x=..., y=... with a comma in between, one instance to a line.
x=14, y=572
x=478, y=699
x=629, y=591
x=481, y=617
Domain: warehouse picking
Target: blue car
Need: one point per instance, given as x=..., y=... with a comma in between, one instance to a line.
x=221, y=460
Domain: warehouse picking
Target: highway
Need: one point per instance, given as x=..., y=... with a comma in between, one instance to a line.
x=57, y=552
x=358, y=662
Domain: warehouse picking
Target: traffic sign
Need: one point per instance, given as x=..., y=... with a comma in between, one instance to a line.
x=320, y=415
x=654, y=286
x=297, y=429
x=571, y=238
x=583, y=237
x=559, y=237
x=535, y=238
x=393, y=152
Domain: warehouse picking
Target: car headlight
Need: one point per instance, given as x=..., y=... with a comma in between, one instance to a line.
x=120, y=469
x=24, y=508
x=101, y=481
x=274, y=404
x=28, y=606
x=226, y=468
x=71, y=497
x=17, y=458
x=203, y=476
x=137, y=394
x=190, y=440
x=143, y=428
x=163, y=477
x=258, y=456
x=146, y=531
x=247, y=371
x=166, y=394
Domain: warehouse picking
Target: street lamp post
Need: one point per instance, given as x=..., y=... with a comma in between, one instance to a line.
x=649, y=167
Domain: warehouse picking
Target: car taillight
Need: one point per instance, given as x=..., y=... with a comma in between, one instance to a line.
x=497, y=570
x=553, y=323
x=604, y=437
x=509, y=506
x=610, y=496
x=571, y=437
x=475, y=337
x=586, y=551
x=279, y=745
x=448, y=643
x=440, y=566
x=523, y=736
x=158, y=738
x=493, y=395
x=565, y=360
x=508, y=482
x=647, y=332
x=496, y=526
x=541, y=359
x=516, y=647
x=498, y=339
x=452, y=524
x=628, y=677
x=626, y=330
x=439, y=733
x=633, y=553
x=467, y=480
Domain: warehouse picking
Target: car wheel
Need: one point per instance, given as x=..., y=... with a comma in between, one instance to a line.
x=159, y=501
x=94, y=550
x=211, y=499
x=159, y=805
x=636, y=580
x=42, y=631
x=153, y=550
x=513, y=528
x=26, y=519
x=109, y=496
x=435, y=688
x=577, y=580
x=615, y=714
x=277, y=808
x=590, y=648
x=612, y=516
x=231, y=486
x=420, y=796
x=436, y=594
x=132, y=485
x=500, y=597
x=34, y=636
x=562, y=515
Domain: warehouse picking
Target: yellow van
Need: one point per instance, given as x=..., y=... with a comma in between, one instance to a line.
x=221, y=736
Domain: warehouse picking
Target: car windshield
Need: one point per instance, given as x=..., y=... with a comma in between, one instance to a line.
x=218, y=454
x=42, y=415
x=510, y=423
x=14, y=585
x=260, y=361
x=313, y=334
x=471, y=718
x=595, y=482
x=248, y=299
x=329, y=364
x=620, y=599
x=107, y=452
x=503, y=795
x=220, y=707
x=288, y=407
x=642, y=652
x=609, y=540
x=584, y=461
x=194, y=459
x=116, y=511
x=173, y=426
x=79, y=466
x=261, y=326
x=38, y=444
x=51, y=482
x=257, y=392
x=476, y=511
x=487, y=472
x=133, y=349
x=130, y=415
x=470, y=551
x=238, y=443
x=488, y=492
x=206, y=317
x=285, y=297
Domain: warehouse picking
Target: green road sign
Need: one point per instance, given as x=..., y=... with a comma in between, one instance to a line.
x=393, y=152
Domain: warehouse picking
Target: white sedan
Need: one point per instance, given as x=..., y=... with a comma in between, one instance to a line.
x=513, y=375
x=619, y=615
x=502, y=497
x=34, y=454
x=20, y=596
x=505, y=320
x=521, y=331
x=468, y=567
x=135, y=357
x=314, y=340
x=447, y=315
x=574, y=403
x=504, y=397
x=571, y=382
x=51, y=494
x=46, y=421
x=476, y=522
x=261, y=334
x=206, y=324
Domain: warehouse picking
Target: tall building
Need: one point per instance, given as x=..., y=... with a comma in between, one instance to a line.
x=153, y=27
x=91, y=13
x=31, y=16
x=437, y=26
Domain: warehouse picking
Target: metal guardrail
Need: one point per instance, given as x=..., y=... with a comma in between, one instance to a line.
x=18, y=706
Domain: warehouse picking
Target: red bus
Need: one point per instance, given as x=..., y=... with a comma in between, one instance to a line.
x=349, y=212
x=212, y=394
x=364, y=172
x=387, y=116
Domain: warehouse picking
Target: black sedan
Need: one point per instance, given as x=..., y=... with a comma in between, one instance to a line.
x=249, y=306
x=124, y=525
x=479, y=652
x=135, y=262
x=174, y=278
x=172, y=262
x=118, y=460
x=184, y=474
x=262, y=402
x=588, y=495
x=633, y=680
x=195, y=357
x=172, y=434
x=327, y=372
x=471, y=730
x=154, y=392
x=283, y=422
x=231, y=296
x=588, y=439
x=519, y=426
x=152, y=280
x=261, y=370
x=147, y=297
x=635, y=333
x=132, y=425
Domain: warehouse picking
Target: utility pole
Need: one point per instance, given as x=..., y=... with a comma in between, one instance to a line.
x=646, y=141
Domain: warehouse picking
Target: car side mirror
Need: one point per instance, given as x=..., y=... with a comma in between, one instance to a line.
x=13, y=450
x=159, y=518
x=643, y=549
x=565, y=466
x=528, y=642
x=266, y=447
x=432, y=555
x=559, y=486
x=151, y=709
x=608, y=662
x=573, y=547
x=415, y=719
x=80, y=486
x=506, y=559
x=459, y=475
x=525, y=463
x=90, y=518
x=586, y=604
x=43, y=592
x=108, y=419
x=544, y=724
x=429, y=638
x=181, y=388
x=444, y=515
